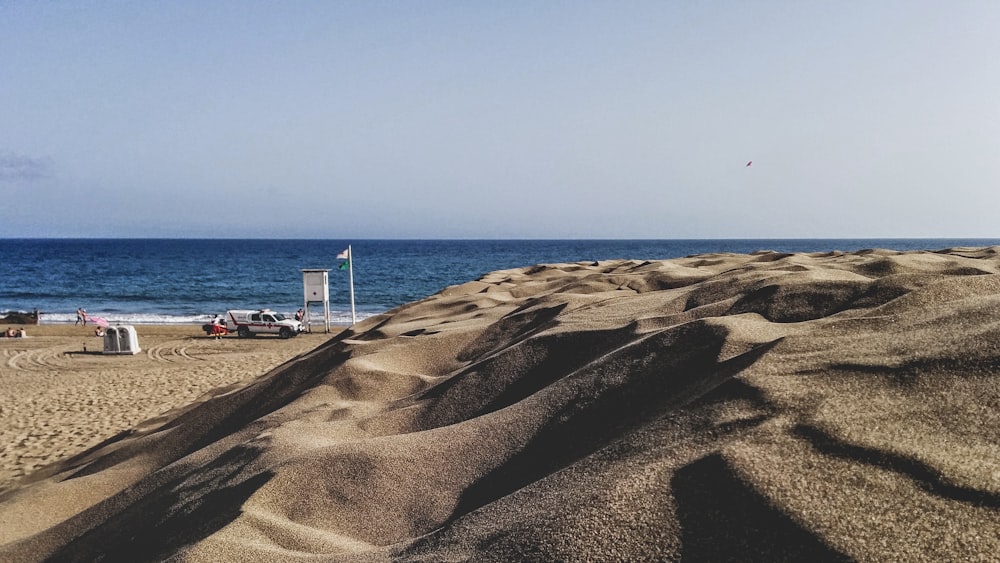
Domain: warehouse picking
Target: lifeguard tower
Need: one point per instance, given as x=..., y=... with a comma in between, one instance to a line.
x=121, y=340
x=316, y=289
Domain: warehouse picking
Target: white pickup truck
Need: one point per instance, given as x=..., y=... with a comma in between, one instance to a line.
x=247, y=323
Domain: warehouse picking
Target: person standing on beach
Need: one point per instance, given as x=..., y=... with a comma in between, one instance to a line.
x=80, y=317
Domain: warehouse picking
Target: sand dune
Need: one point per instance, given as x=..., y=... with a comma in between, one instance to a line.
x=762, y=407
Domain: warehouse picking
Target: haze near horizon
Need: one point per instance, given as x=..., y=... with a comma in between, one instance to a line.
x=509, y=120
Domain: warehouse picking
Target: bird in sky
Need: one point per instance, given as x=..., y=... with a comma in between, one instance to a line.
x=749, y=162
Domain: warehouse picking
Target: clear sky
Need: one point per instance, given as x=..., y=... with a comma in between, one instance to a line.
x=507, y=119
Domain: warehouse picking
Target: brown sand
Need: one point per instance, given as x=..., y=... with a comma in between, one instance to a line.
x=59, y=395
x=764, y=407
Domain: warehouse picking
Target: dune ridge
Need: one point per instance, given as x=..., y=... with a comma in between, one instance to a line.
x=762, y=407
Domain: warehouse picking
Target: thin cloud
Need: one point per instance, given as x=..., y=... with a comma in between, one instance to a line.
x=14, y=167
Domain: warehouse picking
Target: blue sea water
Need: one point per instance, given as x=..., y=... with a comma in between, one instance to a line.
x=188, y=280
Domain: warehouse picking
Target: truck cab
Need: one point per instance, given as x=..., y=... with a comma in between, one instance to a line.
x=251, y=322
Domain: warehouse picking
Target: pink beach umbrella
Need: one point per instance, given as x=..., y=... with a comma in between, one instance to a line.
x=99, y=321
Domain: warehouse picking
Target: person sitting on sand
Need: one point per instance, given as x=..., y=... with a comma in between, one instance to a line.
x=98, y=331
x=9, y=333
x=21, y=333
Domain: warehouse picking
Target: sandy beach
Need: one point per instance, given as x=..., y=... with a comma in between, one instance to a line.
x=59, y=395
x=723, y=407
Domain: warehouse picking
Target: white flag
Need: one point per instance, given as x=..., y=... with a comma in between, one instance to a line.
x=345, y=255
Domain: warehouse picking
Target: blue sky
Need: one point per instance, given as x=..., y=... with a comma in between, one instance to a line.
x=500, y=119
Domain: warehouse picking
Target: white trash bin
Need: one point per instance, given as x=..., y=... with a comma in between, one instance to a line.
x=121, y=340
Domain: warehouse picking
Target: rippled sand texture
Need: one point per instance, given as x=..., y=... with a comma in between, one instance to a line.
x=765, y=407
x=59, y=395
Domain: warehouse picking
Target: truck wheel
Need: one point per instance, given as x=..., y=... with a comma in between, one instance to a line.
x=244, y=332
x=285, y=332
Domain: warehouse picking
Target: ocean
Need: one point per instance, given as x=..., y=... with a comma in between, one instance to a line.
x=172, y=281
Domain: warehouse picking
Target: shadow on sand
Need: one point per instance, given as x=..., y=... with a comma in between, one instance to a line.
x=723, y=519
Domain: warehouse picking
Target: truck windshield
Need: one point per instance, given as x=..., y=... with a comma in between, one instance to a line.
x=279, y=317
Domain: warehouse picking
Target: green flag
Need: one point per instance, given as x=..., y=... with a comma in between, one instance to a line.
x=346, y=256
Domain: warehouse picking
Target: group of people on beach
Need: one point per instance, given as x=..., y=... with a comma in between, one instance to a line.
x=12, y=333
x=81, y=316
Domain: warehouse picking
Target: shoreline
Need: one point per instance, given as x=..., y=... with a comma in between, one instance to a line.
x=60, y=395
x=153, y=319
x=52, y=328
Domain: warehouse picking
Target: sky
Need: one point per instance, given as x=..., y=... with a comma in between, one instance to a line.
x=512, y=119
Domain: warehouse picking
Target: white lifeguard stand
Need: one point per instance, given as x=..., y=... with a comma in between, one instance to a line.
x=121, y=340
x=316, y=289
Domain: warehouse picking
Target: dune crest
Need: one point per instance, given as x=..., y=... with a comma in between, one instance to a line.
x=770, y=406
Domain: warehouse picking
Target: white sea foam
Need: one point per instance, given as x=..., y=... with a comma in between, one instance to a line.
x=336, y=317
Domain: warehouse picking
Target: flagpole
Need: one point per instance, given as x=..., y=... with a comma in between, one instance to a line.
x=350, y=269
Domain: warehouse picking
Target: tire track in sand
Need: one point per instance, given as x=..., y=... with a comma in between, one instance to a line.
x=179, y=351
x=39, y=359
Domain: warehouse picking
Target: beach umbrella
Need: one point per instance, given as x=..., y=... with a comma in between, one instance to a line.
x=99, y=321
